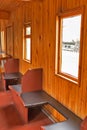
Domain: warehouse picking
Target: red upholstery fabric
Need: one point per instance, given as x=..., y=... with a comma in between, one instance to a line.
x=19, y=105
x=6, y=99
x=42, y=128
x=27, y=127
x=11, y=65
x=32, y=80
x=84, y=124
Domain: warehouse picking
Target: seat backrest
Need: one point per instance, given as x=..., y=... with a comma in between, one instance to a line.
x=11, y=65
x=32, y=80
x=84, y=124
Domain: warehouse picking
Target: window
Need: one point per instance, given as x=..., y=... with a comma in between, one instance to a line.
x=27, y=42
x=68, y=53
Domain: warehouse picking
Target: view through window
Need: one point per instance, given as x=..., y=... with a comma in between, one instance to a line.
x=70, y=45
x=27, y=43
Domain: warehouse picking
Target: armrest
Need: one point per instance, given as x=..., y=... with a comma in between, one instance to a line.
x=17, y=88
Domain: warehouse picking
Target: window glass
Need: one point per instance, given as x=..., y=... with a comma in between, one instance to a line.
x=27, y=43
x=28, y=48
x=28, y=30
x=70, y=45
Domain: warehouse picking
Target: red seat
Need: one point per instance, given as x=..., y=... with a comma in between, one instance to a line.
x=32, y=80
x=26, y=127
x=84, y=124
x=11, y=65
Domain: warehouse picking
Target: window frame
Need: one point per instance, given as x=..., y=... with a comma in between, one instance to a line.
x=26, y=36
x=59, y=45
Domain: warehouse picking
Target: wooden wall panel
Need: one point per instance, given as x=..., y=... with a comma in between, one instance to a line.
x=9, y=40
x=4, y=15
x=37, y=47
x=29, y=12
x=3, y=24
x=42, y=14
x=68, y=93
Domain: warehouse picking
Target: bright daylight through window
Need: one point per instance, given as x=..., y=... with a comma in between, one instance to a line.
x=68, y=45
x=71, y=45
x=27, y=43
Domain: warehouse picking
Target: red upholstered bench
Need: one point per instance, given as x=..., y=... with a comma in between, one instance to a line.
x=31, y=81
x=11, y=65
x=11, y=73
x=84, y=124
x=26, y=127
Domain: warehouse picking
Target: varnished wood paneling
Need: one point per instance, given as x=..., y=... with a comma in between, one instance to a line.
x=68, y=93
x=3, y=24
x=42, y=14
x=4, y=15
x=9, y=40
x=9, y=5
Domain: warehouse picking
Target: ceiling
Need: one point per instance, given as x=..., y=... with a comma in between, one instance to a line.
x=9, y=5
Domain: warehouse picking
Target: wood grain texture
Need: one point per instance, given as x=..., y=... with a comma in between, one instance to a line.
x=42, y=14
x=10, y=5
x=4, y=15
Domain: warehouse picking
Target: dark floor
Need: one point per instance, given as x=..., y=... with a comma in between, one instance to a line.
x=36, y=115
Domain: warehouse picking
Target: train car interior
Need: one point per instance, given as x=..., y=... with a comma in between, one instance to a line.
x=43, y=71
